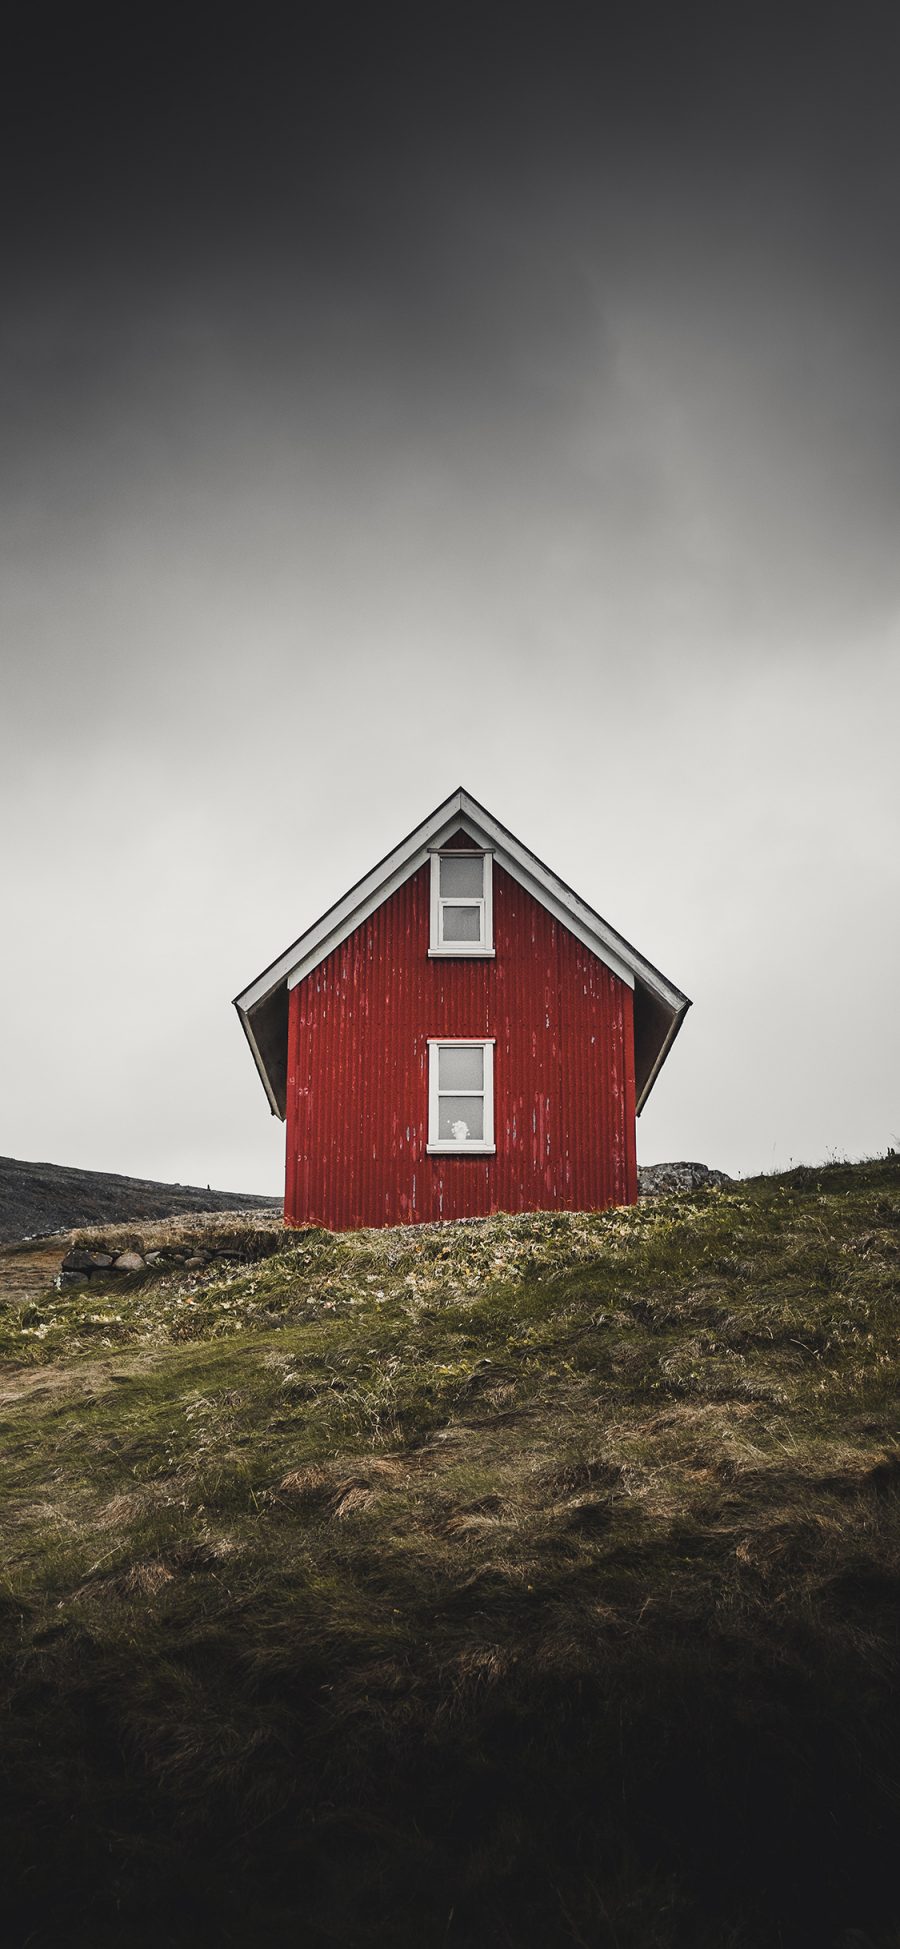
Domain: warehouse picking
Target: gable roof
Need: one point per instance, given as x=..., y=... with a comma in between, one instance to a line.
x=659, y=1007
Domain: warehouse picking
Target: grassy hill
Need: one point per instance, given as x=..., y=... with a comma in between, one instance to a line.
x=39, y=1198
x=523, y=1582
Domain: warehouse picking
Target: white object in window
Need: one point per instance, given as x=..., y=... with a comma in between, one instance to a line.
x=461, y=1098
x=462, y=920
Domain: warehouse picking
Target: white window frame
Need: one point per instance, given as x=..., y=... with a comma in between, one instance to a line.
x=470, y=1146
x=482, y=949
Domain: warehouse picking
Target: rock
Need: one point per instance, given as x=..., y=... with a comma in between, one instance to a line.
x=658, y=1180
x=79, y=1260
x=196, y=1260
x=66, y=1279
x=129, y=1262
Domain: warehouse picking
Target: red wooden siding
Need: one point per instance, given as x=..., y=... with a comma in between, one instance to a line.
x=357, y=1103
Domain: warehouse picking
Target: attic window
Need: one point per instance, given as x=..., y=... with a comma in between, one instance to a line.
x=461, y=903
x=461, y=1098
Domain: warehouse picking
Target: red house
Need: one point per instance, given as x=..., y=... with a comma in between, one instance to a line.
x=460, y=1034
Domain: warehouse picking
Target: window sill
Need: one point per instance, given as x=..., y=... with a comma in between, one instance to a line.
x=472, y=953
x=461, y=1150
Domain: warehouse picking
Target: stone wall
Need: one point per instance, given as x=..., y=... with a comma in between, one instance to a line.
x=84, y=1263
x=658, y=1180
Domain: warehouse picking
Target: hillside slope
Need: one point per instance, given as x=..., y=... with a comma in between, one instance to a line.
x=524, y=1582
x=39, y=1198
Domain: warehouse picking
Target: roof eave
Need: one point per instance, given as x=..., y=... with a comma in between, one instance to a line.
x=244, y=1019
x=677, y=1020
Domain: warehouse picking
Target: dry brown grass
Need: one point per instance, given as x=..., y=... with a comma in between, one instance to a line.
x=213, y=1230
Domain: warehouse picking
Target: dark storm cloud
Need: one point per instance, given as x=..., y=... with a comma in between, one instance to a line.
x=154, y=129
x=337, y=144
x=451, y=225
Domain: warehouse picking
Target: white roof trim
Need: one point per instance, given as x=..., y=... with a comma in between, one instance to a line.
x=460, y=810
x=348, y=913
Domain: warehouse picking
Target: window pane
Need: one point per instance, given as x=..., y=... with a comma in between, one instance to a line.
x=462, y=923
x=460, y=1069
x=462, y=877
x=461, y=1118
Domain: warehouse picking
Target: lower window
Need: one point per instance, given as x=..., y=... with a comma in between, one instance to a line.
x=461, y=1097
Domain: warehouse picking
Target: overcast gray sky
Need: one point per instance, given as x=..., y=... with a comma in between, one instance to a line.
x=398, y=398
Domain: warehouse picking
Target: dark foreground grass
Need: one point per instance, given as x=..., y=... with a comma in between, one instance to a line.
x=529, y=1582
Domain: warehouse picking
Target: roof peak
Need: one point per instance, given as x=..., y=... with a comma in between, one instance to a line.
x=263, y=1000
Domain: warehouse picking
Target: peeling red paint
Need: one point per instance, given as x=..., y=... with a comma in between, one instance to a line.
x=357, y=1097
